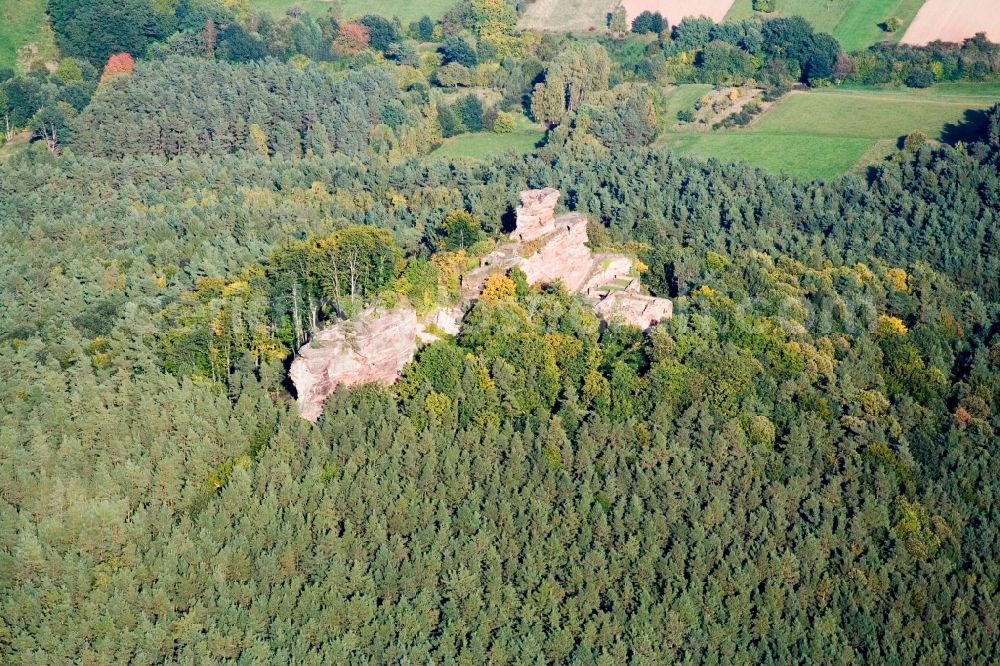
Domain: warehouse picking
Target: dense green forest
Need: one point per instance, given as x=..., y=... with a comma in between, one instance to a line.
x=797, y=467
x=806, y=445
x=216, y=108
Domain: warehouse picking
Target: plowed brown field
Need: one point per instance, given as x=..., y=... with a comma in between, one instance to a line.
x=675, y=10
x=954, y=20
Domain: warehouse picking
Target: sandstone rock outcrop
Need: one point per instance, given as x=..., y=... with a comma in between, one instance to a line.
x=536, y=214
x=439, y=321
x=373, y=348
x=546, y=247
x=633, y=308
x=563, y=255
x=607, y=269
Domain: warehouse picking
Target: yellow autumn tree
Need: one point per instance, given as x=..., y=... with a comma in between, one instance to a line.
x=259, y=138
x=898, y=279
x=498, y=287
x=450, y=267
x=437, y=406
x=703, y=290
x=240, y=7
x=887, y=326
x=495, y=23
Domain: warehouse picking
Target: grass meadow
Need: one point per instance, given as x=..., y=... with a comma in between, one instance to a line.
x=824, y=133
x=870, y=114
x=480, y=145
x=805, y=156
x=8, y=150
x=23, y=22
x=683, y=97
x=855, y=23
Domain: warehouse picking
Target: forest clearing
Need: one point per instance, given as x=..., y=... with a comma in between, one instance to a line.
x=22, y=22
x=480, y=145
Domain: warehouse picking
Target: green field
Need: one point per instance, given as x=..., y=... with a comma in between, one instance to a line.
x=805, y=156
x=867, y=114
x=23, y=22
x=824, y=133
x=407, y=11
x=984, y=93
x=480, y=145
x=8, y=150
x=855, y=23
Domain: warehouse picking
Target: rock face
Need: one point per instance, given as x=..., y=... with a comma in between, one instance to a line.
x=633, y=308
x=441, y=320
x=536, y=214
x=373, y=348
x=607, y=269
x=563, y=256
x=549, y=249
x=546, y=247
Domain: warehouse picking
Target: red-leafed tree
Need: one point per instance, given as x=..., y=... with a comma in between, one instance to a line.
x=353, y=39
x=118, y=64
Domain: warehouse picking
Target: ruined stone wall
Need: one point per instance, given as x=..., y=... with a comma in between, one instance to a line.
x=635, y=309
x=607, y=268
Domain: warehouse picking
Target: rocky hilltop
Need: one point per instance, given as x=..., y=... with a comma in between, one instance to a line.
x=546, y=247
x=372, y=348
x=550, y=248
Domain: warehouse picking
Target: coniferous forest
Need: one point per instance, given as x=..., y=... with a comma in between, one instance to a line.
x=800, y=466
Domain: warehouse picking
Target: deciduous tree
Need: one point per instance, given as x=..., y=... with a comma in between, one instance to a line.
x=120, y=64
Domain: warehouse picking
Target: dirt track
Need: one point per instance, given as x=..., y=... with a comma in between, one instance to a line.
x=954, y=20
x=675, y=10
